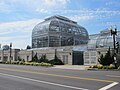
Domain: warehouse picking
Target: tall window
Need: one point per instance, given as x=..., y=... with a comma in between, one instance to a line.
x=65, y=59
x=27, y=58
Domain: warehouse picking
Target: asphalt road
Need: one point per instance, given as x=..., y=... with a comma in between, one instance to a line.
x=17, y=77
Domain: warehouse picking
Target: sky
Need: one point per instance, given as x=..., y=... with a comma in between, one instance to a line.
x=18, y=17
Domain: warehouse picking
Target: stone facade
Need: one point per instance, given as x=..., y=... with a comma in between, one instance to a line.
x=65, y=56
x=27, y=54
x=5, y=54
x=91, y=56
x=64, y=53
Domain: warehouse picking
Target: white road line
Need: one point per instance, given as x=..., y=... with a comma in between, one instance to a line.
x=50, y=83
x=109, y=86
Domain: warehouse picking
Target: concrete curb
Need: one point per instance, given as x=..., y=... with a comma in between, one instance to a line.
x=71, y=67
x=96, y=69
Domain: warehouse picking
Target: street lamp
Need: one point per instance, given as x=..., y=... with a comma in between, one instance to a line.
x=117, y=47
x=114, y=33
x=10, y=51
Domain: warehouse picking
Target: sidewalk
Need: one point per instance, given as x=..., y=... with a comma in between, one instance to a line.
x=72, y=67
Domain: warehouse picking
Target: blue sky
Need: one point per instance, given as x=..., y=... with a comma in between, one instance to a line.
x=18, y=17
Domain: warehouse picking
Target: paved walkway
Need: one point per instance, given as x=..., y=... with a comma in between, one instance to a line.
x=72, y=67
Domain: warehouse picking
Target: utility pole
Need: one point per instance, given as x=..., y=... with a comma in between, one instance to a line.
x=10, y=51
x=117, y=47
x=114, y=33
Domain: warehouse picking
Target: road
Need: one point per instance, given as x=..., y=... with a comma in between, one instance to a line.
x=18, y=77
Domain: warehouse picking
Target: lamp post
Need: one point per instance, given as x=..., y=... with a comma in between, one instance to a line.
x=10, y=51
x=114, y=33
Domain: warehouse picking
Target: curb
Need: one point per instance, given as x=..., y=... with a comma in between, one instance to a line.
x=96, y=69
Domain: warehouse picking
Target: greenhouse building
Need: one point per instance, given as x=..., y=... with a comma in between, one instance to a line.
x=57, y=31
x=58, y=35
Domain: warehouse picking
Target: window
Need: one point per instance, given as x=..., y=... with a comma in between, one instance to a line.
x=11, y=57
x=27, y=58
x=5, y=58
x=65, y=59
x=54, y=41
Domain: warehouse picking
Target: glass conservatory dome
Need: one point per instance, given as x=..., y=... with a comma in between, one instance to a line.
x=58, y=31
x=104, y=39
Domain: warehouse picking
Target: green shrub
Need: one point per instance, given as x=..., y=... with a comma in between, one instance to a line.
x=21, y=63
x=100, y=66
x=27, y=63
x=90, y=66
x=111, y=66
x=94, y=66
x=45, y=64
x=105, y=67
x=43, y=59
x=12, y=62
x=38, y=64
x=19, y=59
x=2, y=62
x=35, y=58
x=107, y=59
x=7, y=62
x=119, y=68
x=56, y=62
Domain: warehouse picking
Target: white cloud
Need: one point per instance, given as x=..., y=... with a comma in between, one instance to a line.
x=109, y=23
x=91, y=11
x=9, y=31
x=17, y=41
x=50, y=5
x=79, y=18
x=18, y=26
x=42, y=6
x=4, y=7
x=114, y=3
x=90, y=14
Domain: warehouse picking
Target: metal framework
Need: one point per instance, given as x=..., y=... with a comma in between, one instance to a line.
x=58, y=31
x=103, y=39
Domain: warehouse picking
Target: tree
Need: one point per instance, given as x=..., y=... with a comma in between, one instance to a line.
x=107, y=59
x=43, y=59
x=28, y=47
x=56, y=60
x=19, y=59
x=35, y=58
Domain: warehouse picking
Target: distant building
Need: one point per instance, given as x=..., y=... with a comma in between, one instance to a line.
x=5, y=54
x=55, y=33
x=73, y=44
x=99, y=44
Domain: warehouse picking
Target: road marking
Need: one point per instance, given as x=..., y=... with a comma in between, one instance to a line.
x=57, y=75
x=113, y=76
x=109, y=86
x=45, y=82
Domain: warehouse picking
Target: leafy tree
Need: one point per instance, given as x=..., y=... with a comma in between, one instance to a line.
x=23, y=60
x=56, y=60
x=107, y=59
x=35, y=58
x=43, y=59
x=28, y=47
x=19, y=59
